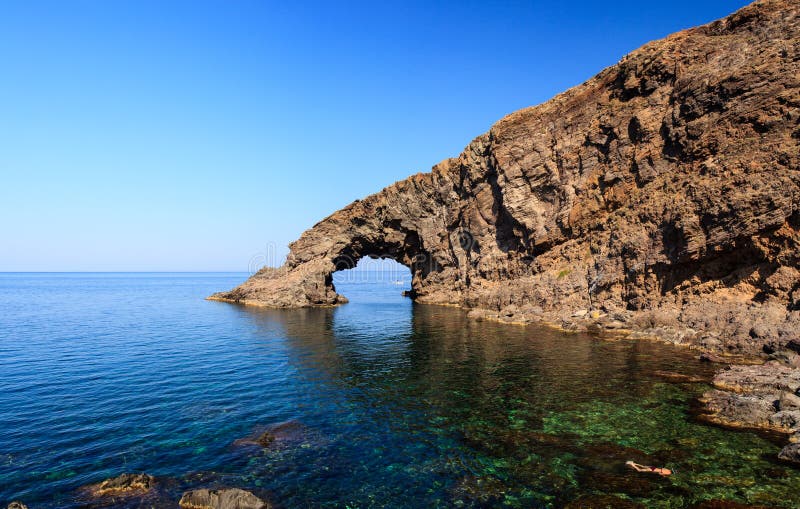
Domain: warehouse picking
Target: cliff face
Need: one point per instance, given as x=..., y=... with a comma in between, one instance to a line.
x=664, y=193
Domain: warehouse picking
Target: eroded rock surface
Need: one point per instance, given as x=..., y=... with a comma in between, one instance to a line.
x=664, y=192
x=765, y=397
x=125, y=485
x=758, y=396
x=226, y=498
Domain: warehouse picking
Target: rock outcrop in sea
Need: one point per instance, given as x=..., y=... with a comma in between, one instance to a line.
x=226, y=498
x=123, y=486
x=661, y=196
x=761, y=397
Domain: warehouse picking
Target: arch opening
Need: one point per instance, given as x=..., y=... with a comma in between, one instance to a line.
x=373, y=280
x=397, y=251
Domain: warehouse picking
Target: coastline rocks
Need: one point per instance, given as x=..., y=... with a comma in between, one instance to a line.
x=225, y=498
x=794, y=345
x=710, y=357
x=790, y=453
x=758, y=396
x=125, y=485
x=663, y=190
x=739, y=410
x=765, y=378
x=789, y=401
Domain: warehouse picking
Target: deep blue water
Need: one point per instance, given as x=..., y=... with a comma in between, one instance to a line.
x=391, y=404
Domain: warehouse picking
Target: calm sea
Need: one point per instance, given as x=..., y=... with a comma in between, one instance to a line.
x=389, y=404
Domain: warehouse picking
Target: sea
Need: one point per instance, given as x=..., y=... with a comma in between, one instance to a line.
x=381, y=402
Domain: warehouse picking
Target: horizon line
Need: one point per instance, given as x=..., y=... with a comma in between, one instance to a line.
x=152, y=271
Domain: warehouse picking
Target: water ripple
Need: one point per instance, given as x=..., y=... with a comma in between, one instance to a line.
x=398, y=405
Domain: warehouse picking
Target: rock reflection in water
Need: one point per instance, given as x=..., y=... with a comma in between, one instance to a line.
x=421, y=403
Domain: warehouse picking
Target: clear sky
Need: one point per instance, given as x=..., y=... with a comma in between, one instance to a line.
x=169, y=135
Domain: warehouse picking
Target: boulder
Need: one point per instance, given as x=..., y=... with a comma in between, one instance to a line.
x=791, y=453
x=124, y=485
x=224, y=498
x=789, y=401
x=741, y=410
x=788, y=420
x=276, y=435
x=710, y=357
x=765, y=378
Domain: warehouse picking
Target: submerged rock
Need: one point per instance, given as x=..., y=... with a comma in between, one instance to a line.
x=602, y=502
x=613, y=455
x=484, y=491
x=276, y=435
x=724, y=504
x=630, y=483
x=710, y=357
x=125, y=485
x=671, y=376
x=17, y=505
x=225, y=498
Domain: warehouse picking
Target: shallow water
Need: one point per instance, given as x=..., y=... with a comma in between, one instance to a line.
x=392, y=404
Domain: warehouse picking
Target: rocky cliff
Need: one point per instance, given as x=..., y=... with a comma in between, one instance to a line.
x=662, y=196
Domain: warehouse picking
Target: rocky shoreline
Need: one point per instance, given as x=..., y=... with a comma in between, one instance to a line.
x=138, y=490
x=759, y=391
x=762, y=397
x=660, y=199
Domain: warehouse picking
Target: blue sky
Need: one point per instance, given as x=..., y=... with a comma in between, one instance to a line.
x=143, y=135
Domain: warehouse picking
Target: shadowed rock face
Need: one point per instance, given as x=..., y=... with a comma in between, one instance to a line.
x=666, y=188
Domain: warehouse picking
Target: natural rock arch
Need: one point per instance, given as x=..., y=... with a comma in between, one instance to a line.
x=367, y=228
x=665, y=190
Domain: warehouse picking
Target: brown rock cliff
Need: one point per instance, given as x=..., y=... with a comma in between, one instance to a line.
x=664, y=193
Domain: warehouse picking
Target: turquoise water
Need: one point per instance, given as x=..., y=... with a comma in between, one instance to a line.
x=390, y=404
